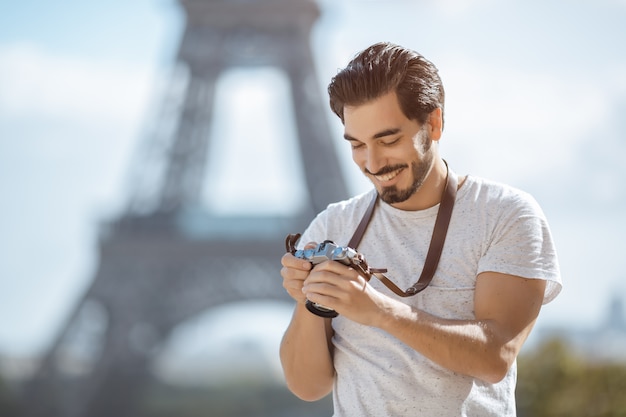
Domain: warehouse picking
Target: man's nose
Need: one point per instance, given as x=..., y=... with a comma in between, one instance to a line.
x=375, y=161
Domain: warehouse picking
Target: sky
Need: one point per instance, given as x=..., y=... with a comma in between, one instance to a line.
x=535, y=97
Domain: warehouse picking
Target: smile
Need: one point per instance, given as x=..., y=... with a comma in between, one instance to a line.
x=388, y=176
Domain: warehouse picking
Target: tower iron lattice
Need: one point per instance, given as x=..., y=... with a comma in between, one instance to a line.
x=164, y=260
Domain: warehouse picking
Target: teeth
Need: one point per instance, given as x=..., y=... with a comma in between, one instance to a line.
x=387, y=177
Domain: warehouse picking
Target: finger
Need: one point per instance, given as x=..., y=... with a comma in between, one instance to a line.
x=293, y=280
x=290, y=261
x=322, y=281
x=322, y=294
x=294, y=288
x=335, y=267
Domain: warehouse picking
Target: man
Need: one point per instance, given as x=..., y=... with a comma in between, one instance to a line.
x=449, y=350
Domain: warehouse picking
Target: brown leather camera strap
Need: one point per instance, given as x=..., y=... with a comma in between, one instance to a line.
x=436, y=242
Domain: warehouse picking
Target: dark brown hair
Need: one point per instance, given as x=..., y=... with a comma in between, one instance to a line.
x=385, y=67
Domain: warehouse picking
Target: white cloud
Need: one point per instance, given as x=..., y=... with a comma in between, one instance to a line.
x=37, y=83
x=459, y=6
x=519, y=122
x=253, y=159
x=66, y=128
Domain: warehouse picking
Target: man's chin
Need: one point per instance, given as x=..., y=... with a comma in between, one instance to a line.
x=391, y=195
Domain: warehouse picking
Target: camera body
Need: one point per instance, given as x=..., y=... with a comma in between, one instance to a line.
x=329, y=251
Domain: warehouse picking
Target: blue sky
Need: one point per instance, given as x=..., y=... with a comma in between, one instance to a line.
x=536, y=97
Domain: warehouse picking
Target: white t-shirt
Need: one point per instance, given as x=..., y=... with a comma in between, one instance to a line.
x=493, y=227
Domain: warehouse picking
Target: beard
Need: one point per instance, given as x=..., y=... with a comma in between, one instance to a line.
x=419, y=172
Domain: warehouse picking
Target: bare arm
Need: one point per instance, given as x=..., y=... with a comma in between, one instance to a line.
x=305, y=350
x=506, y=308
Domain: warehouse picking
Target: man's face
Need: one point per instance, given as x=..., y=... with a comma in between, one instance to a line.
x=395, y=153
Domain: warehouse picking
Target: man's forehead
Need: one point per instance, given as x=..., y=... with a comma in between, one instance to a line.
x=373, y=119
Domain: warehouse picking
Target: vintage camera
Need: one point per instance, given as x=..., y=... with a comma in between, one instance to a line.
x=329, y=251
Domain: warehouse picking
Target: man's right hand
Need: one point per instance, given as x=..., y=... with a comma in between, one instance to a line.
x=294, y=272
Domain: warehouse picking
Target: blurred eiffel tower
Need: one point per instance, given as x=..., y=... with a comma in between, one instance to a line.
x=168, y=257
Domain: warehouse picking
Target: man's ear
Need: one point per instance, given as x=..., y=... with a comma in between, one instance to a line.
x=435, y=123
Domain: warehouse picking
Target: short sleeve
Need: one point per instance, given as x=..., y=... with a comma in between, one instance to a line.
x=521, y=244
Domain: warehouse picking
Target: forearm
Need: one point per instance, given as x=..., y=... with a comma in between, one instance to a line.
x=306, y=357
x=475, y=348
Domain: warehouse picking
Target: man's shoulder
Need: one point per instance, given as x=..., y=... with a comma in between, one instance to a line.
x=496, y=201
x=339, y=219
x=487, y=190
x=351, y=205
x=344, y=213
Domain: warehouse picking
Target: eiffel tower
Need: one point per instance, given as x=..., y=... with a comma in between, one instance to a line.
x=167, y=257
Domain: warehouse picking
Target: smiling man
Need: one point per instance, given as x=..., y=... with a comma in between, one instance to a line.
x=483, y=253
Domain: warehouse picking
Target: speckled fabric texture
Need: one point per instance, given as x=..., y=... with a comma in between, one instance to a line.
x=494, y=227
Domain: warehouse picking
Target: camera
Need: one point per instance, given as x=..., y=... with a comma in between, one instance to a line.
x=329, y=251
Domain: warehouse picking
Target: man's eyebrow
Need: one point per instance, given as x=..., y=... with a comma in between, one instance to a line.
x=386, y=132
x=381, y=134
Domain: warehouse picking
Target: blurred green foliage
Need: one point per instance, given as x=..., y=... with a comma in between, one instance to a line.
x=555, y=382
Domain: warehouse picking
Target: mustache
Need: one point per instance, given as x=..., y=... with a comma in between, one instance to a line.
x=386, y=170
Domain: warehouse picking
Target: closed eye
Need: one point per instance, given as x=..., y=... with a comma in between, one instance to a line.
x=355, y=144
x=391, y=142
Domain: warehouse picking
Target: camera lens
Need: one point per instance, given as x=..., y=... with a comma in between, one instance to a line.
x=339, y=252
